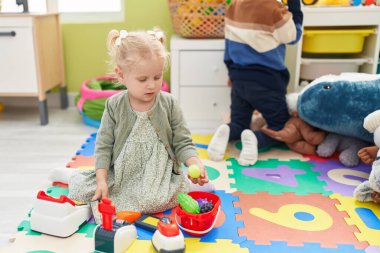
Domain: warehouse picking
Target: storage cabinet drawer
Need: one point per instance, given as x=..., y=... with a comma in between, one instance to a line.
x=16, y=21
x=17, y=64
x=204, y=103
x=315, y=68
x=200, y=68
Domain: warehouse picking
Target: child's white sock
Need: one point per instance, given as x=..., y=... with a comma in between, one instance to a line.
x=61, y=174
x=248, y=155
x=218, y=144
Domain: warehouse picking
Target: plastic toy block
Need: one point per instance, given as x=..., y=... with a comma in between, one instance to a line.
x=282, y=247
x=340, y=179
x=25, y=226
x=278, y=218
x=81, y=161
x=367, y=225
x=298, y=174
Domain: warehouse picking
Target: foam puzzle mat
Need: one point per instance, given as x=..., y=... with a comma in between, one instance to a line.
x=286, y=202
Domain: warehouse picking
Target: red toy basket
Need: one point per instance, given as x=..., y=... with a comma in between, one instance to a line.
x=198, y=224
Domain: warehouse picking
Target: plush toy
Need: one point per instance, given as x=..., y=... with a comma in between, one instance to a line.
x=368, y=154
x=339, y=104
x=298, y=135
x=370, y=190
x=347, y=146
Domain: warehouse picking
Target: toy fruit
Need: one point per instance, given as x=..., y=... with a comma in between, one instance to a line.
x=187, y=203
x=128, y=216
x=201, y=202
x=194, y=171
x=207, y=207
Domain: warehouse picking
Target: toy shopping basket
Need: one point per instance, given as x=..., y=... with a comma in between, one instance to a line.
x=198, y=18
x=198, y=224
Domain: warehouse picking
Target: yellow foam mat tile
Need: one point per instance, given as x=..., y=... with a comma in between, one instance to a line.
x=349, y=205
x=192, y=245
x=201, y=139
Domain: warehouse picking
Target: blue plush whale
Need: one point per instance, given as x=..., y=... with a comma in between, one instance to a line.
x=339, y=104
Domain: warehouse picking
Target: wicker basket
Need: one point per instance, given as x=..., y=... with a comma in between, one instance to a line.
x=198, y=18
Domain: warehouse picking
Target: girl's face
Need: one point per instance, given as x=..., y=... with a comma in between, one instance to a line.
x=143, y=81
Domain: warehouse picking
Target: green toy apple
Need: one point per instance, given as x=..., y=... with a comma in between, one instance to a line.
x=194, y=171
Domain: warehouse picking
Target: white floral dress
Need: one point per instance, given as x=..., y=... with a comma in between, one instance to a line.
x=142, y=179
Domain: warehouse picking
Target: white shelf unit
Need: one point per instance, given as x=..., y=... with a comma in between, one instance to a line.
x=199, y=81
x=199, y=76
x=31, y=58
x=354, y=16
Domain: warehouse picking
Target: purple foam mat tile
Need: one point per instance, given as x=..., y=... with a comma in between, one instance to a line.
x=341, y=179
x=372, y=249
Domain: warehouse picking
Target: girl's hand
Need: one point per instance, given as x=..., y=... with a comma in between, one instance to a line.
x=101, y=191
x=203, y=179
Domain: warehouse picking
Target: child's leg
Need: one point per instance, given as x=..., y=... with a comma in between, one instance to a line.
x=61, y=174
x=241, y=114
x=241, y=110
x=268, y=96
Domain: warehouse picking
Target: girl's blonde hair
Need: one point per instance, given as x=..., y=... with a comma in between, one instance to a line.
x=126, y=48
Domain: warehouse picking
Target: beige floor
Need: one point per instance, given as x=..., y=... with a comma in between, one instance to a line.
x=27, y=152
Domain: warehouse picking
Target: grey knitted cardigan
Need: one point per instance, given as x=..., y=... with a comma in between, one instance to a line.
x=118, y=120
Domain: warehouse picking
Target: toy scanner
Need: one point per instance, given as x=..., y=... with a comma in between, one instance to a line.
x=113, y=236
x=57, y=216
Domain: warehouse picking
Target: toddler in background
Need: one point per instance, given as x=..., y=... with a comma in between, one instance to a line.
x=255, y=36
x=142, y=139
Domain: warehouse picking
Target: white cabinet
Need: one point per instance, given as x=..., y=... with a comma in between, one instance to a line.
x=362, y=17
x=199, y=81
x=31, y=60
